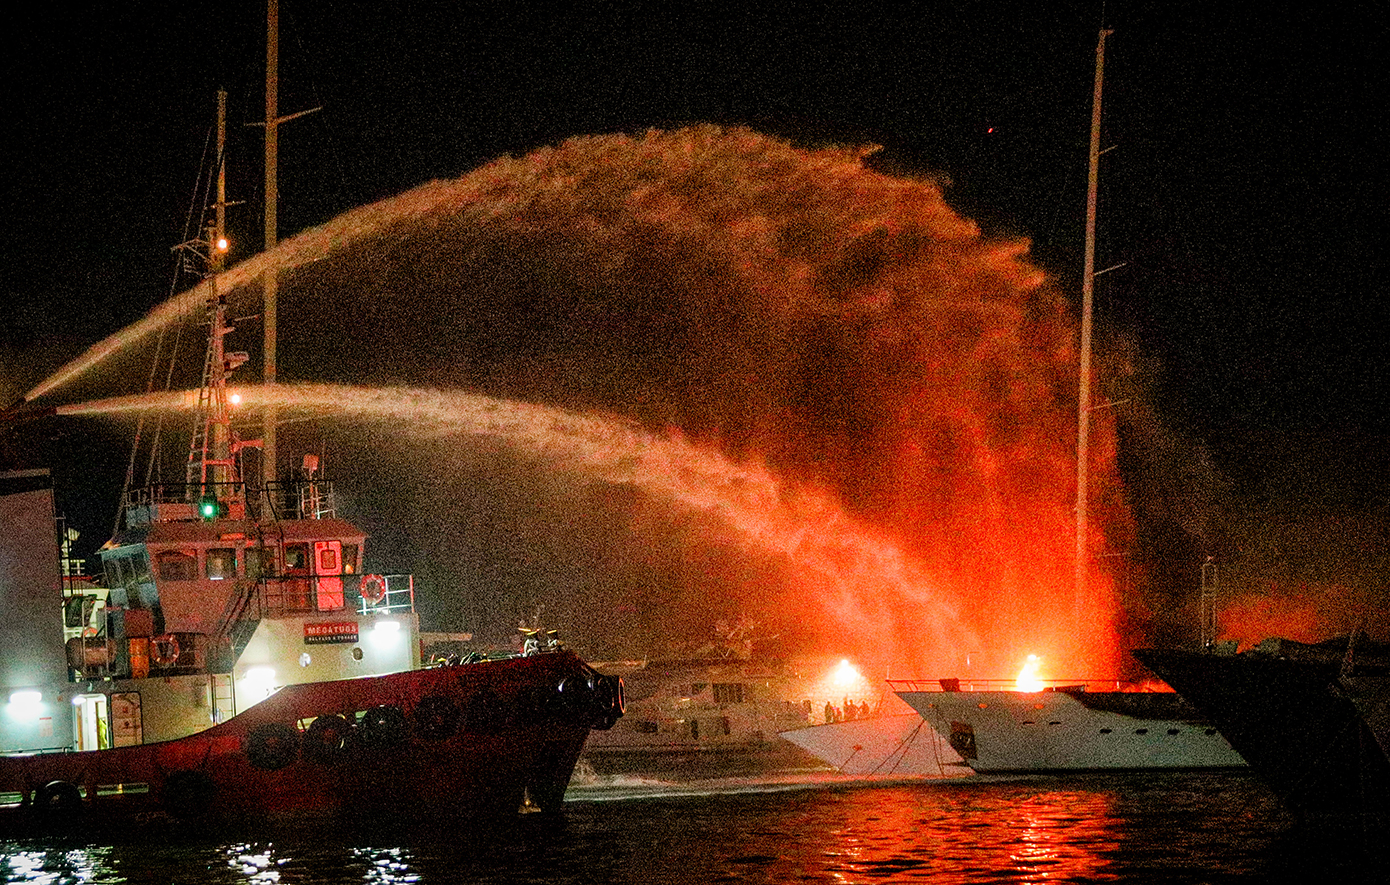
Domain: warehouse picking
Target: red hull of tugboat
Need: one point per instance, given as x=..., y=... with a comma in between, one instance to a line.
x=444, y=743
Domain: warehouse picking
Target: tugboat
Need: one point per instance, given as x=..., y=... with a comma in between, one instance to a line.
x=237, y=667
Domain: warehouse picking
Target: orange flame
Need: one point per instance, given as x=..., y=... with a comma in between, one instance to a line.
x=1028, y=679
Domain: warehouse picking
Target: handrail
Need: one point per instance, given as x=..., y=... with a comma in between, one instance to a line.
x=1011, y=685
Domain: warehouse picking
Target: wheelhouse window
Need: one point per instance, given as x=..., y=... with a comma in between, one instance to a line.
x=116, y=572
x=349, y=559
x=140, y=566
x=73, y=611
x=221, y=564
x=259, y=561
x=296, y=559
x=328, y=561
x=176, y=565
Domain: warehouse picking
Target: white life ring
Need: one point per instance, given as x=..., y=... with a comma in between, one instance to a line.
x=373, y=588
x=164, y=649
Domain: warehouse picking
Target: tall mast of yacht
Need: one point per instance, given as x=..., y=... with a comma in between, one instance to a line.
x=1083, y=418
x=271, y=281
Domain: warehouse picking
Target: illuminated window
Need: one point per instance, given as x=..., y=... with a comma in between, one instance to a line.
x=328, y=560
x=221, y=564
x=349, y=559
x=175, y=565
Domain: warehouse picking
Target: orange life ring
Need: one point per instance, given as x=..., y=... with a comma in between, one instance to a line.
x=373, y=588
x=164, y=649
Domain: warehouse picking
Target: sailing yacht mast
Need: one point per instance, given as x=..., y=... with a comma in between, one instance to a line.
x=271, y=281
x=1083, y=419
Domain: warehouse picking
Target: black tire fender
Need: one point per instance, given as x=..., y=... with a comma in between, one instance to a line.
x=436, y=717
x=58, y=798
x=272, y=745
x=383, y=726
x=325, y=739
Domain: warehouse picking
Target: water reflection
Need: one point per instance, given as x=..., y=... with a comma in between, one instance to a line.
x=1150, y=828
x=254, y=863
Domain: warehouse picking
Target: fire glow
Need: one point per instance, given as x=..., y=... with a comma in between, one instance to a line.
x=845, y=675
x=1028, y=679
x=846, y=375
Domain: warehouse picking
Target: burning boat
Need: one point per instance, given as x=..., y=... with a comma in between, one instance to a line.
x=999, y=728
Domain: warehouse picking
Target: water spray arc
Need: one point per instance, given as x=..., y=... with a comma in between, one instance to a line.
x=850, y=563
x=780, y=306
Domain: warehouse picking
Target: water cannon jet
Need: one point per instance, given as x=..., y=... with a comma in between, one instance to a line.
x=23, y=410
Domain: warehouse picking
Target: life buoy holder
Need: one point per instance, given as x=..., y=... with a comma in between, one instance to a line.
x=164, y=649
x=373, y=588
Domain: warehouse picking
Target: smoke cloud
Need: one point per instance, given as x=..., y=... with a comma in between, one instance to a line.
x=792, y=312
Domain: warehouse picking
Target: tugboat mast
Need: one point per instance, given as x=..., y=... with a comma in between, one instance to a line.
x=211, y=472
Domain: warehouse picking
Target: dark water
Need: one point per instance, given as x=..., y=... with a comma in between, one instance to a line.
x=1175, y=828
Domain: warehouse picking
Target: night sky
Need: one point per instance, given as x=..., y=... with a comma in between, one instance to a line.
x=1245, y=196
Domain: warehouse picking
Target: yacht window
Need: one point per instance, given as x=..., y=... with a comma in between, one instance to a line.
x=221, y=564
x=175, y=565
x=349, y=559
x=328, y=561
x=728, y=692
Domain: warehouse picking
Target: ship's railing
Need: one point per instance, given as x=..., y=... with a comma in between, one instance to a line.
x=953, y=684
x=178, y=501
x=279, y=595
x=300, y=594
x=399, y=598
